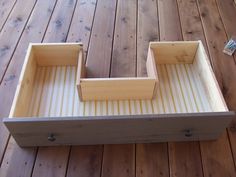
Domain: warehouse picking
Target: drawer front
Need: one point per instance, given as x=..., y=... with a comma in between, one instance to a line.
x=117, y=129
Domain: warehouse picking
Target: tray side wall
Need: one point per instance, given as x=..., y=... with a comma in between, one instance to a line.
x=24, y=89
x=204, y=70
x=118, y=129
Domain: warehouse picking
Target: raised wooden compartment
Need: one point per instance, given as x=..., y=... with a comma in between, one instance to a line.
x=117, y=88
x=188, y=104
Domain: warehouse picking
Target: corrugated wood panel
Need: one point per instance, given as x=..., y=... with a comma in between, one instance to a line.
x=181, y=90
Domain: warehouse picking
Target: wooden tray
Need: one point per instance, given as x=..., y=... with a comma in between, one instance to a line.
x=188, y=104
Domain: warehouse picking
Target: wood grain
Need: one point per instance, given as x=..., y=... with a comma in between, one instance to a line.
x=49, y=164
x=118, y=159
x=82, y=23
x=36, y=24
x=170, y=28
x=12, y=30
x=6, y=8
x=147, y=30
x=85, y=161
x=124, y=46
x=100, y=47
x=152, y=160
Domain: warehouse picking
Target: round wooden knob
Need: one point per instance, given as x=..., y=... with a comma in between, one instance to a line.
x=51, y=138
x=188, y=133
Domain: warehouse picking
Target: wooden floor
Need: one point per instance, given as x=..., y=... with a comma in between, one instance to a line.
x=115, y=34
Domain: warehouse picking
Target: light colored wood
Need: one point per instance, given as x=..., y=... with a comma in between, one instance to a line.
x=117, y=89
x=122, y=129
x=206, y=74
x=174, y=52
x=54, y=54
x=143, y=87
x=21, y=100
x=80, y=73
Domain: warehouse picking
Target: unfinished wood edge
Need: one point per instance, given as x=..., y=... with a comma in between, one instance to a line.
x=18, y=88
x=153, y=43
x=151, y=65
x=80, y=72
x=206, y=59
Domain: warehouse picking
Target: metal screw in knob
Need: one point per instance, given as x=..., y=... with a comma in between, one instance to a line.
x=188, y=133
x=51, y=138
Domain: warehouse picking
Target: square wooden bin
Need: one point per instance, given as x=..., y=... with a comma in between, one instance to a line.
x=185, y=104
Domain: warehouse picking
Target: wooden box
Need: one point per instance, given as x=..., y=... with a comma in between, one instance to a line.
x=187, y=104
x=117, y=88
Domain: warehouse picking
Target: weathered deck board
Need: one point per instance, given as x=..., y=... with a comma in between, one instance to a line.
x=119, y=27
x=6, y=9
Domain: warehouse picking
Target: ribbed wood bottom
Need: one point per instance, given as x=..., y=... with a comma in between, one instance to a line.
x=180, y=91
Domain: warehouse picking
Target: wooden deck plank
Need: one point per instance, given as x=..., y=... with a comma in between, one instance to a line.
x=82, y=21
x=118, y=159
x=100, y=47
x=124, y=46
x=17, y=161
x=33, y=33
x=52, y=161
x=152, y=160
x=190, y=21
x=227, y=10
x=170, y=28
x=147, y=30
x=12, y=31
x=216, y=156
x=6, y=9
x=85, y=161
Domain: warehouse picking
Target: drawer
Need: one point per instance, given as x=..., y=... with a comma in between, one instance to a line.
x=185, y=103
